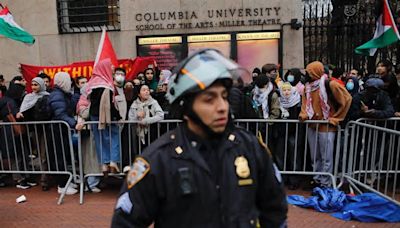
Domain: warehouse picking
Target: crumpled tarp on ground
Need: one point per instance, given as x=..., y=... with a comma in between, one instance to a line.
x=367, y=207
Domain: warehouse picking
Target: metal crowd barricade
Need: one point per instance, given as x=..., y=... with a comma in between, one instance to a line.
x=289, y=146
x=287, y=140
x=389, y=123
x=371, y=157
x=43, y=148
x=131, y=140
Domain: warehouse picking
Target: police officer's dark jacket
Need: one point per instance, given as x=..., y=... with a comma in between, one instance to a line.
x=173, y=185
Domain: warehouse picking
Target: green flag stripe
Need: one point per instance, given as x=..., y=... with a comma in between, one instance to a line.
x=384, y=40
x=15, y=33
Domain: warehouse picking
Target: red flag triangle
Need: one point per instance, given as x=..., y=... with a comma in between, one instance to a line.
x=106, y=50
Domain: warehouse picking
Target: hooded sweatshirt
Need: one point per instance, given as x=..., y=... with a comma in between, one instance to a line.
x=340, y=94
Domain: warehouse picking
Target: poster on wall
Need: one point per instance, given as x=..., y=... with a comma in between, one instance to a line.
x=166, y=55
x=224, y=47
x=256, y=53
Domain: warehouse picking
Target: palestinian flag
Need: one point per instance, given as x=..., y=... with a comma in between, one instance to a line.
x=12, y=30
x=386, y=32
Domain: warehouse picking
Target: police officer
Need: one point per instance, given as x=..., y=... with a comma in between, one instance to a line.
x=206, y=172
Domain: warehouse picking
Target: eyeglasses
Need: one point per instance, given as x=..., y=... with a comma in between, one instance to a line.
x=34, y=84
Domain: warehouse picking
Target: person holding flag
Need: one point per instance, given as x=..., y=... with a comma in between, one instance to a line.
x=101, y=94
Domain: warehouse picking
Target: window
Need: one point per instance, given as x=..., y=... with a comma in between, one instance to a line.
x=75, y=16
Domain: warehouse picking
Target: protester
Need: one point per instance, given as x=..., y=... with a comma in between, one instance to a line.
x=47, y=81
x=316, y=105
x=3, y=88
x=294, y=76
x=266, y=97
x=151, y=79
x=147, y=111
x=27, y=111
x=62, y=110
x=375, y=102
x=12, y=145
x=120, y=100
x=101, y=93
x=352, y=86
x=90, y=160
x=242, y=106
x=35, y=107
x=384, y=70
x=289, y=142
x=129, y=94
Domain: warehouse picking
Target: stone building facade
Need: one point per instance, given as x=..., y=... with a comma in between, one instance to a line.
x=252, y=32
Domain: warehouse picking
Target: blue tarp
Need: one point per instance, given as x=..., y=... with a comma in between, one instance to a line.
x=367, y=207
x=322, y=200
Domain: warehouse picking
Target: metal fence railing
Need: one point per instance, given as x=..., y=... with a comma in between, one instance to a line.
x=37, y=148
x=371, y=157
x=364, y=151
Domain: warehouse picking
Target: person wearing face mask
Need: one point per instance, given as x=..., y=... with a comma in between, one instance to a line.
x=294, y=76
x=358, y=73
x=316, y=105
x=120, y=100
x=353, y=86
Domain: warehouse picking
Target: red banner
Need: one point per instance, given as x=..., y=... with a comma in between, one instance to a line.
x=132, y=67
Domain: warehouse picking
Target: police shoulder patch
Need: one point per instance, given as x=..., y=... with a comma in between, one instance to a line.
x=139, y=169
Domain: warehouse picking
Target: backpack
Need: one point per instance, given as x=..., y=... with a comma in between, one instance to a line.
x=42, y=110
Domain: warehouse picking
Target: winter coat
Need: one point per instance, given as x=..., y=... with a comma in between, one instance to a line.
x=153, y=111
x=61, y=106
x=380, y=102
x=241, y=106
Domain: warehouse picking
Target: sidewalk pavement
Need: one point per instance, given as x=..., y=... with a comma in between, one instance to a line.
x=41, y=210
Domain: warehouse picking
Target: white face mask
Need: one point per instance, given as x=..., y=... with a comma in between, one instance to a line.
x=119, y=79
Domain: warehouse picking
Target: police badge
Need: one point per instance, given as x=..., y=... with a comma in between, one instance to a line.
x=242, y=167
x=139, y=169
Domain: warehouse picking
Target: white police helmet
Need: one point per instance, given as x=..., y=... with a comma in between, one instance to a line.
x=200, y=70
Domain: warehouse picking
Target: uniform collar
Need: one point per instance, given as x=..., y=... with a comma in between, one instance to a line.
x=186, y=146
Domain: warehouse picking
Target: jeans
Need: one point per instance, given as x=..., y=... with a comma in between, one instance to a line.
x=93, y=181
x=107, y=142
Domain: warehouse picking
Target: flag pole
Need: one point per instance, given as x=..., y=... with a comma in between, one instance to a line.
x=1, y=5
